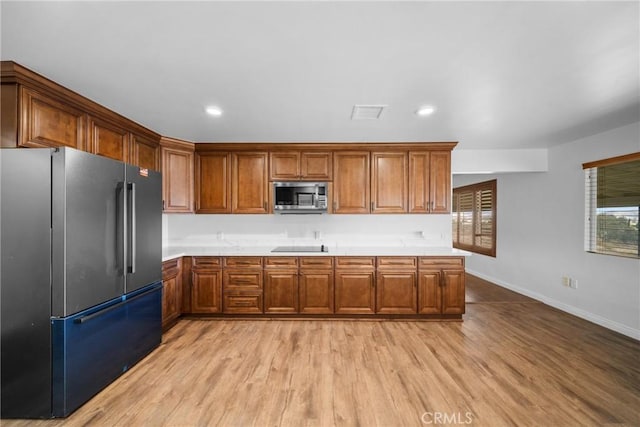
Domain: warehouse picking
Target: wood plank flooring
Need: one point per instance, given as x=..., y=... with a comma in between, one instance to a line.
x=513, y=361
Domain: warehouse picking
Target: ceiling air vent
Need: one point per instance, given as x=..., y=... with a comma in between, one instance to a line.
x=367, y=112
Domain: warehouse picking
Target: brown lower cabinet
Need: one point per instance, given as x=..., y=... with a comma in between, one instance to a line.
x=441, y=285
x=355, y=285
x=316, y=289
x=396, y=285
x=171, y=292
x=206, y=285
x=396, y=292
x=242, y=285
x=281, y=291
x=281, y=285
x=433, y=287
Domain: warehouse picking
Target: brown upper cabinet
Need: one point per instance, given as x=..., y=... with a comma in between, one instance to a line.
x=47, y=122
x=177, y=176
x=351, y=190
x=430, y=181
x=213, y=182
x=300, y=166
x=37, y=112
x=144, y=152
x=108, y=140
x=389, y=178
x=250, y=183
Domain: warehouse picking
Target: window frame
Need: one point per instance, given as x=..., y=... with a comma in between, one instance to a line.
x=456, y=217
x=591, y=170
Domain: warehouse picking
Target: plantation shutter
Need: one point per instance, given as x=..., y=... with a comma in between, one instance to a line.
x=474, y=212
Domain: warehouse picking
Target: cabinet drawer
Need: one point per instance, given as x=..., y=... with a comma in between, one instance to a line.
x=242, y=280
x=206, y=262
x=281, y=262
x=355, y=262
x=242, y=303
x=170, y=268
x=243, y=261
x=390, y=262
x=316, y=262
x=441, y=262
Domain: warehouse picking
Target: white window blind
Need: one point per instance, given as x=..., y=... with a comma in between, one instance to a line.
x=612, y=206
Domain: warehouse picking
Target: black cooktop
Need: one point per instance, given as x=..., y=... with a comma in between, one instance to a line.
x=320, y=248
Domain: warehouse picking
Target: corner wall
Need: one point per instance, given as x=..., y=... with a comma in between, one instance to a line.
x=540, y=229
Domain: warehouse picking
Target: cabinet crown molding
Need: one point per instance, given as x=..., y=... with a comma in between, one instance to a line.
x=325, y=146
x=14, y=73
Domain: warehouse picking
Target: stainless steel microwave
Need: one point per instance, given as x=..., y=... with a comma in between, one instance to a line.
x=298, y=197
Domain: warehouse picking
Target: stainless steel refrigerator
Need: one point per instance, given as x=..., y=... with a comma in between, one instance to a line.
x=80, y=276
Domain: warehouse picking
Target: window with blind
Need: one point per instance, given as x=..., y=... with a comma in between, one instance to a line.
x=612, y=206
x=474, y=218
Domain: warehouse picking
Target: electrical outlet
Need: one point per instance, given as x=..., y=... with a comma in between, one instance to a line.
x=574, y=283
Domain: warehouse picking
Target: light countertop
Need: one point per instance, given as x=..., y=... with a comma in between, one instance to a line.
x=178, y=251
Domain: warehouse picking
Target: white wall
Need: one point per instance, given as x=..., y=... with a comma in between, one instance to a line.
x=499, y=161
x=427, y=230
x=540, y=229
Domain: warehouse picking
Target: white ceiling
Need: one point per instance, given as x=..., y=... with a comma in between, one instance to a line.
x=501, y=74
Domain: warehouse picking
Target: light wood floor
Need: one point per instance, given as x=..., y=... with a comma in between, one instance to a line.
x=513, y=361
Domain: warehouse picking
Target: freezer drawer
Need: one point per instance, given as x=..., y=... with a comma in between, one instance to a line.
x=94, y=347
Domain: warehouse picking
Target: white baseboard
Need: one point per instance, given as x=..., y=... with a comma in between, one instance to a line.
x=591, y=317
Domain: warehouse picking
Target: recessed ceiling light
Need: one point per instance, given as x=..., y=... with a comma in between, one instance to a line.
x=425, y=111
x=214, y=111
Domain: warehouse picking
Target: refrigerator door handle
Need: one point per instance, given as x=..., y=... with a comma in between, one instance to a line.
x=85, y=319
x=131, y=268
x=120, y=229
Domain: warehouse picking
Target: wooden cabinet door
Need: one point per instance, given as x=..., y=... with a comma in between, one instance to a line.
x=351, y=189
x=171, y=291
x=108, y=140
x=144, y=152
x=396, y=292
x=316, y=291
x=440, y=181
x=46, y=122
x=316, y=166
x=213, y=186
x=169, y=300
x=389, y=182
x=281, y=291
x=355, y=292
x=177, y=180
x=429, y=292
x=285, y=166
x=250, y=183
x=430, y=182
x=419, y=182
x=206, y=291
x=453, y=299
